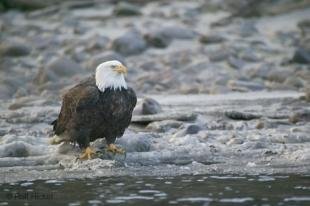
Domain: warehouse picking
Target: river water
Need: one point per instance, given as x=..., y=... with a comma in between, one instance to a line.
x=179, y=190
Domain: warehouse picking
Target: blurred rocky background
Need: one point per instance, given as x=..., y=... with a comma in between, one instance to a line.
x=203, y=46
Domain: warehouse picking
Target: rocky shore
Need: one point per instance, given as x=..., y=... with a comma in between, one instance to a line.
x=232, y=85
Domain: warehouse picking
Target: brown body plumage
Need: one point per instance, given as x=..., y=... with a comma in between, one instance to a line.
x=87, y=113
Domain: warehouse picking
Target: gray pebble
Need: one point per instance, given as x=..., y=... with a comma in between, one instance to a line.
x=176, y=32
x=14, y=49
x=157, y=39
x=64, y=66
x=130, y=43
x=192, y=129
x=241, y=115
x=150, y=106
x=136, y=142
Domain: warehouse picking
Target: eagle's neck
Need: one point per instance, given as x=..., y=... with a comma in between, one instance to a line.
x=110, y=80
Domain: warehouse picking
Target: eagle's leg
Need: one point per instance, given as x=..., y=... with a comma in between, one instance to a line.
x=114, y=149
x=88, y=153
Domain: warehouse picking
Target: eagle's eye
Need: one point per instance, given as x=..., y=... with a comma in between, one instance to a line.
x=113, y=66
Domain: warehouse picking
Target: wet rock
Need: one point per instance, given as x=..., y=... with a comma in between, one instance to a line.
x=126, y=9
x=163, y=126
x=63, y=67
x=175, y=32
x=157, y=39
x=301, y=56
x=130, y=43
x=241, y=115
x=211, y=39
x=105, y=56
x=188, y=130
x=192, y=129
x=150, y=106
x=136, y=142
x=14, y=49
x=240, y=85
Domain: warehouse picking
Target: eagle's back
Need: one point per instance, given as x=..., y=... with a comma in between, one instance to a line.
x=88, y=114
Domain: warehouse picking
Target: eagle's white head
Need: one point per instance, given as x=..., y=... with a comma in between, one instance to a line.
x=110, y=74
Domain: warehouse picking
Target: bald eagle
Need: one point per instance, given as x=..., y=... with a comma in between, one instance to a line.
x=98, y=107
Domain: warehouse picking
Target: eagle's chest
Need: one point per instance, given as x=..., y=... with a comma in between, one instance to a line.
x=114, y=105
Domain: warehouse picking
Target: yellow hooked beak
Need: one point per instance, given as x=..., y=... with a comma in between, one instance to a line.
x=121, y=69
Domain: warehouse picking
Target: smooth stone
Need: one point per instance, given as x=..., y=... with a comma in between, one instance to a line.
x=126, y=9
x=157, y=39
x=164, y=126
x=136, y=142
x=188, y=130
x=105, y=56
x=176, y=32
x=130, y=43
x=211, y=39
x=192, y=129
x=150, y=106
x=301, y=56
x=15, y=49
x=63, y=67
x=241, y=115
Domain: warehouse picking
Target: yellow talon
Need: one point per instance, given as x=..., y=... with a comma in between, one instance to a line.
x=87, y=154
x=112, y=148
